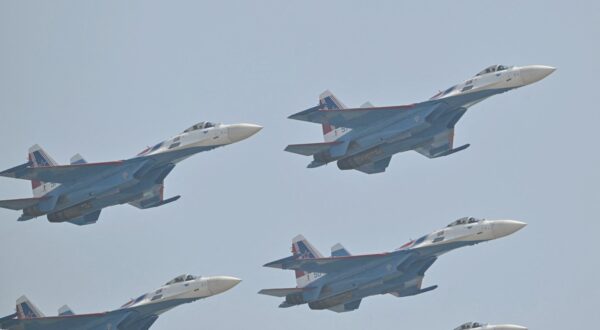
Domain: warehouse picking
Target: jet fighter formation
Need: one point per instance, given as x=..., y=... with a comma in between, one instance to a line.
x=340, y=282
x=366, y=138
x=137, y=314
x=78, y=192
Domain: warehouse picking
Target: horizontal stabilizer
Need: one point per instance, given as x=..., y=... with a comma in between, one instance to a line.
x=12, y=172
x=309, y=149
x=280, y=262
x=305, y=114
x=280, y=292
x=61, y=173
x=21, y=203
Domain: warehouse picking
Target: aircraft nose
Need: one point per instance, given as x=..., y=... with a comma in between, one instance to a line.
x=238, y=132
x=220, y=284
x=501, y=228
x=533, y=73
x=510, y=327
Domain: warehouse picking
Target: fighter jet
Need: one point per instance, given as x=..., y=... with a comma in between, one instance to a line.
x=484, y=326
x=339, y=283
x=138, y=314
x=76, y=193
x=366, y=138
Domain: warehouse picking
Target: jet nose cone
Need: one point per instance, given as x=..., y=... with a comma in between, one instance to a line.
x=533, y=73
x=503, y=228
x=238, y=132
x=510, y=327
x=219, y=284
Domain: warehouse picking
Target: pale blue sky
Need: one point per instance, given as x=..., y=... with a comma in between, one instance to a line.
x=106, y=79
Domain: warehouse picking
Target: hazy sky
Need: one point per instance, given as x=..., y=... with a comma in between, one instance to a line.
x=106, y=79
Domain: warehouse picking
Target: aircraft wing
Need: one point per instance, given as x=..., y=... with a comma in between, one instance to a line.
x=441, y=145
x=82, y=321
x=60, y=173
x=357, y=117
x=329, y=265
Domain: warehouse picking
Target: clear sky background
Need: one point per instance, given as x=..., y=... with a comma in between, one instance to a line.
x=107, y=79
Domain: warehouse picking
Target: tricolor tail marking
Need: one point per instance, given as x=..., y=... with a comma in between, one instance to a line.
x=39, y=158
x=328, y=101
x=304, y=250
x=26, y=309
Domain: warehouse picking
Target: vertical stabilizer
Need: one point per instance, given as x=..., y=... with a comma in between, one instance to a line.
x=65, y=310
x=328, y=101
x=77, y=159
x=26, y=309
x=304, y=250
x=339, y=250
x=39, y=158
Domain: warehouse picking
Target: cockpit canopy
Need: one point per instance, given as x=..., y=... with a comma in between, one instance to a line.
x=493, y=68
x=470, y=325
x=464, y=221
x=182, y=278
x=200, y=125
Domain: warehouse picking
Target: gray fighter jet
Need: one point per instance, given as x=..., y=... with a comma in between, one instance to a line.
x=137, y=314
x=78, y=192
x=366, y=138
x=340, y=282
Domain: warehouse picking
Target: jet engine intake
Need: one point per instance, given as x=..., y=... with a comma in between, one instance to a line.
x=294, y=299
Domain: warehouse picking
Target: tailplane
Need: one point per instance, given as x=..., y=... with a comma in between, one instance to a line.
x=328, y=101
x=26, y=309
x=39, y=158
x=302, y=249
